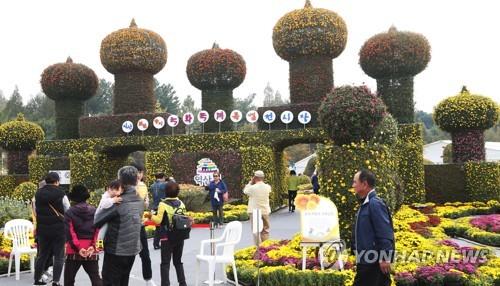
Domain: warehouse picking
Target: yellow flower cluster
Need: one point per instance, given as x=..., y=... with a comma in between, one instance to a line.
x=466, y=111
x=308, y=32
x=133, y=49
x=482, y=180
x=20, y=134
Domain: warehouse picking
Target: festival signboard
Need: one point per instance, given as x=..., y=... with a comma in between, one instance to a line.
x=319, y=220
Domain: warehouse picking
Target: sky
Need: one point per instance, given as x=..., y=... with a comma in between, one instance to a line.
x=463, y=36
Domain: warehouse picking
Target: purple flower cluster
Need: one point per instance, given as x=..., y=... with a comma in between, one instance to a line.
x=487, y=222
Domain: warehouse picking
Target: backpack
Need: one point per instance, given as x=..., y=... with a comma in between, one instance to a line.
x=180, y=226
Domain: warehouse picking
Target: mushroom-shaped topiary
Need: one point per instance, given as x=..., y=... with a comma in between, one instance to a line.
x=19, y=138
x=20, y=135
x=351, y=114
x=133, y=49
x=69, y=81
x=25, y=191
x=394, y=58
x=216, y=72
x=309, y=39
x=216, y=68
x=395, y=54
x=466, y=116
x=309, y=32
x=133, y=55
x=69, y=85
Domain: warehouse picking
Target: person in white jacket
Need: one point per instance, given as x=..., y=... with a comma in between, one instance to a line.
x=258, y=198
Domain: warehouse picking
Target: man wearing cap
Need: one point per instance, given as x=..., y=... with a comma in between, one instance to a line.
x=258, y=198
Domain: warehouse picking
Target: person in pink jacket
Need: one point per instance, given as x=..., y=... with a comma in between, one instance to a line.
x=81, y=237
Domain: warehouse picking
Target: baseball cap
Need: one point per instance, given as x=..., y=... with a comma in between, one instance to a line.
x=259, y=174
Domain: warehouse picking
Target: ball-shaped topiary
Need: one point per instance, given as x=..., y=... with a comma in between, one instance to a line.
x=466, y=111
x=386, y=131
x=309, y=32
x=351, y=114
x=133, y=50
x=216, y=68
x=19, y=134
x=69, y=81
x=24, y=191
x=394, y=54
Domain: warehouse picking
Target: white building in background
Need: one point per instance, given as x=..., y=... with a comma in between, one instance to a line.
x=434, y=151
x=300, y=166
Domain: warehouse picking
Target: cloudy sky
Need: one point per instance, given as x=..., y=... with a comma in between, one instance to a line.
x=465, y=43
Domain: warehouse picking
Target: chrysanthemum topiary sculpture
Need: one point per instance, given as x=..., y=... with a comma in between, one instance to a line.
x=216, y=72
x=309, y=39
x=351, y=114
x=19, y=138
x=466, y=116
x=393, y=59
x=69, y=85
x=133, y=55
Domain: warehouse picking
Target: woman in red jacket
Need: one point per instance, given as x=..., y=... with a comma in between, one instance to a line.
x=81, y=237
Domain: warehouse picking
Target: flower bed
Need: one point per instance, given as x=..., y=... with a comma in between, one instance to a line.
x=426, y=256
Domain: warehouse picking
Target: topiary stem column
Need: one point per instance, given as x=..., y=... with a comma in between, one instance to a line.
x=213, y=100
x=468, y=145
x=17, y=161
x=68, y=113
x=397, y=94
x=134, y=93
x=310, y=78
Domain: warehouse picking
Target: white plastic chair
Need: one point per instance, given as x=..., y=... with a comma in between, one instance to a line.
x=230, y=237
x=19, y=230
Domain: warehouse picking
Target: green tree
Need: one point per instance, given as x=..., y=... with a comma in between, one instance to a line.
x=3, y=100
x=188, y=106
x=13, y=106
x=41, y=110
x=493, y=134
x=165, y=93
x=102, y=102
x=244, y=105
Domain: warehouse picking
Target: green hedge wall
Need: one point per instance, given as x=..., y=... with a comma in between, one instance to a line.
x=156, y=162
x=445, y=183
x=338, y=166
x=68, y=111
x=111, y=125
x=40, y=165
x=7, y=185
x=482, y=180
x=409, y=150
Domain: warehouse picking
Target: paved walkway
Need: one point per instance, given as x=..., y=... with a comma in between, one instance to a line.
x=283, y=225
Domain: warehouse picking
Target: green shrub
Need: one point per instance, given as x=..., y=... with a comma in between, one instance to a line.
x=11, y=209
x=304, y=187
x=25, y=191
x=448, y=154
x=193, y=197
x=20, y=134
x=95, y=196
x=7, y=185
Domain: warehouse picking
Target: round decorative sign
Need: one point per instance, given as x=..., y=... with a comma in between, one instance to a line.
x=203, y=116
x=236, y=116
x=286, y=116
x=220, y=115
x=173, y=120
x=159, y=122
x=188, y=118
x=142, y=124
x=304, y=117
x=127, y=126
x=269, y=116
x=252, y=116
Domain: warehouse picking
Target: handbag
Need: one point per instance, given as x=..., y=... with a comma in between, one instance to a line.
x=225, y=196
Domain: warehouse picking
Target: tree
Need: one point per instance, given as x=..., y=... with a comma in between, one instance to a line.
x=102, y=102
x=13, y=106
x=188, y=106
x=165, y=93
x=41, y=110
x=3, y=100
x=268, y=95
x=245, y=104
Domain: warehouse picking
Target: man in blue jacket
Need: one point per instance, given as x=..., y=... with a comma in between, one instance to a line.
x=373, y=235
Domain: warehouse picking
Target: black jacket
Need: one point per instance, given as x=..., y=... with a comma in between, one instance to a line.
x=48, y=223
